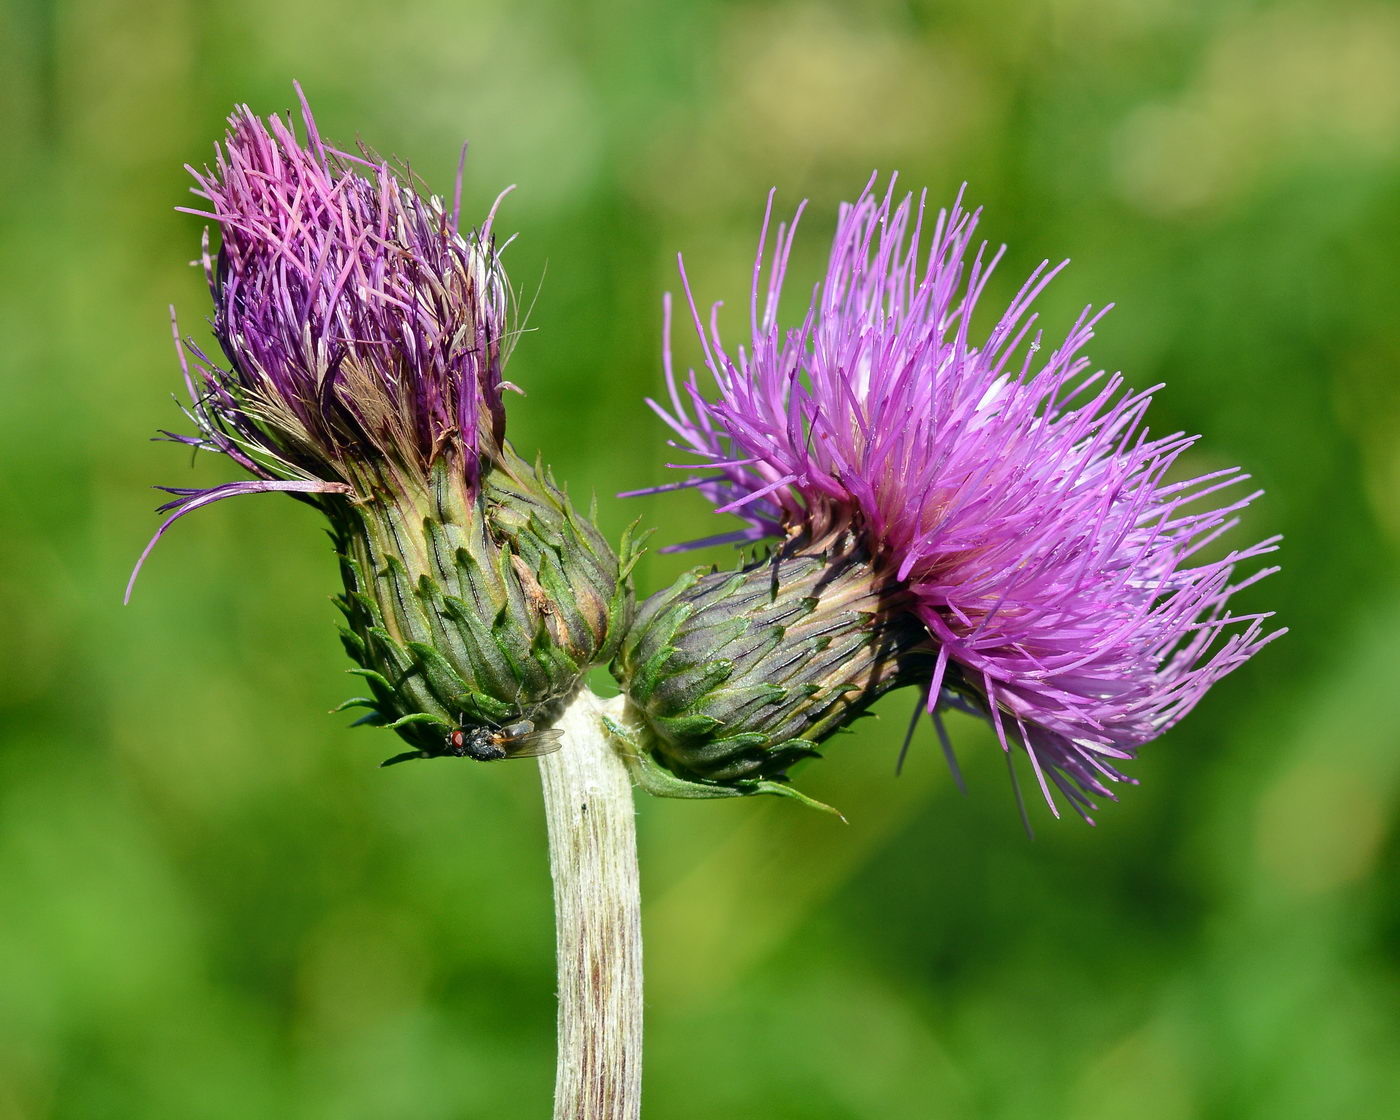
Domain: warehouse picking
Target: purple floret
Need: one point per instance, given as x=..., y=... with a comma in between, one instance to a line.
x=361, y=326
x=1016, y=493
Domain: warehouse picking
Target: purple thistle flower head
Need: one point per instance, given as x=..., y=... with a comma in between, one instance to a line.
x=361, y=325
x=1009, y=500
x=358, y=320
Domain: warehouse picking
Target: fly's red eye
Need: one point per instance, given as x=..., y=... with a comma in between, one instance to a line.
x=457, y=739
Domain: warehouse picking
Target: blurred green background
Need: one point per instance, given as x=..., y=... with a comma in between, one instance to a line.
x=212, y=904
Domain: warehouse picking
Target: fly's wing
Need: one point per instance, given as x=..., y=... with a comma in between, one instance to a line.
x=534, y=744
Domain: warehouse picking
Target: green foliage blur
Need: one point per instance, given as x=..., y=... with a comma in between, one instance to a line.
x=213, y=905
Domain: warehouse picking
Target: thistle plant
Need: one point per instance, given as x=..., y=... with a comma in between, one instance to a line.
x=980, y=517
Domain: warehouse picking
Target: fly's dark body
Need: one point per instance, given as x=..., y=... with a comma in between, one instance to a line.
x=517, y=739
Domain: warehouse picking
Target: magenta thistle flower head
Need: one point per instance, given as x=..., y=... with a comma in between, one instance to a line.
x=359, y=324
x=359, y=321
x=1025, y=547
x=364, y=333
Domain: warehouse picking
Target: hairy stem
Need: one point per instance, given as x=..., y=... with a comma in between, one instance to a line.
x=597, y=907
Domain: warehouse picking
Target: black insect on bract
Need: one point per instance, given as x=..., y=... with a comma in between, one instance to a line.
x=518, y=739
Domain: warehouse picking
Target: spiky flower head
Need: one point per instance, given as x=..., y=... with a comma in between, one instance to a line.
x=364, y=334
x=359, y=323
x=1027, y=548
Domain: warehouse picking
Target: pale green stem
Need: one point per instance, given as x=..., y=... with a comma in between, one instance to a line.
x=597, y=908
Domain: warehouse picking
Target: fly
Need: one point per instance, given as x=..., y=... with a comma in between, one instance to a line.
x=518, y=739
